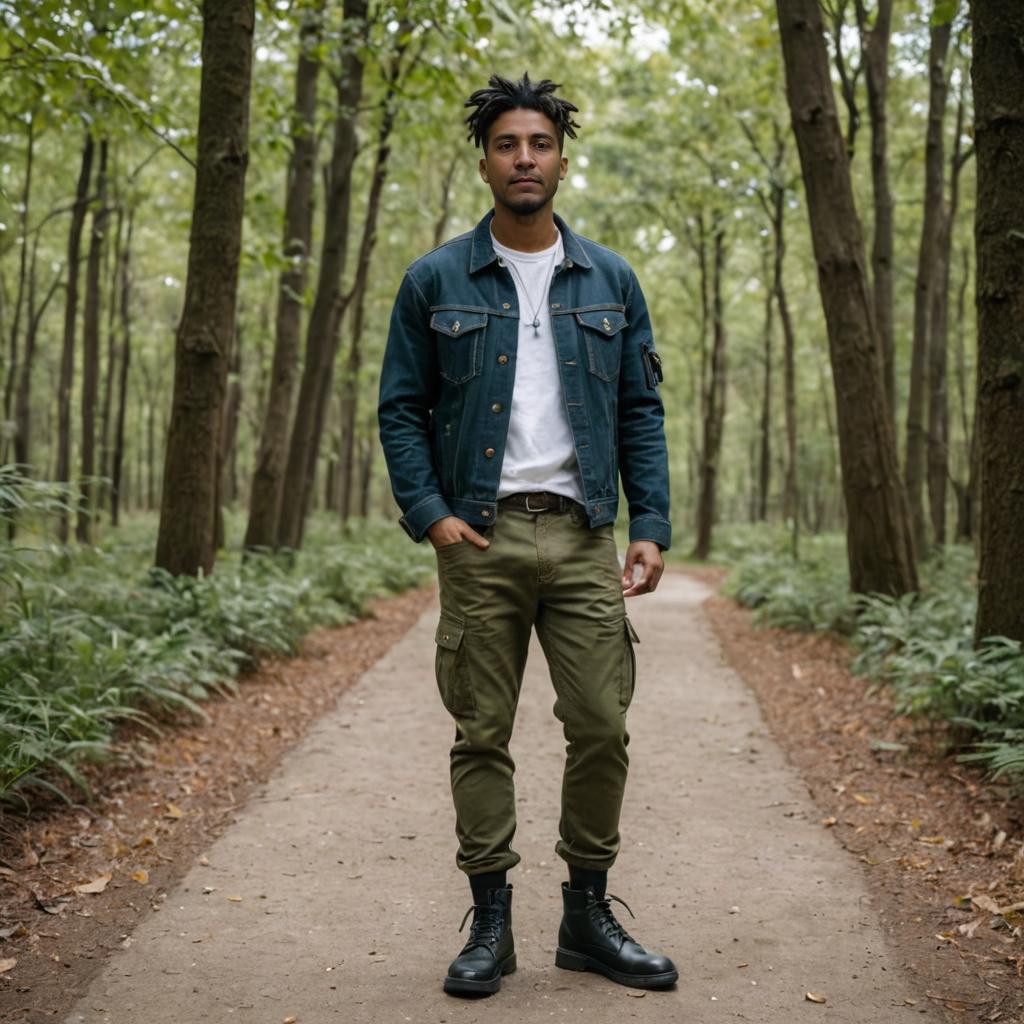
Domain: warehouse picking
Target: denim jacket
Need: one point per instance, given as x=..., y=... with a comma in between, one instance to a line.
x=449, y=366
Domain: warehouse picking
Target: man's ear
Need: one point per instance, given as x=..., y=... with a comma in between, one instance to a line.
x=563, y=168
x=483, y=169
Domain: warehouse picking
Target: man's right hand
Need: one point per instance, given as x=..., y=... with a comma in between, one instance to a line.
x=453, y=530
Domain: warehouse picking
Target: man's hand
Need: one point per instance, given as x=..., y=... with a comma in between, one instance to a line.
x=647, y=555
x=453, y=530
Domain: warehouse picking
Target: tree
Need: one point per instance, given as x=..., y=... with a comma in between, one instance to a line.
x=997, y=73
x=185, y=543
x=879, y=548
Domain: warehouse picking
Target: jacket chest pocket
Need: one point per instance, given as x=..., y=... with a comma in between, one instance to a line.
x=602, y=331
x=459, y=336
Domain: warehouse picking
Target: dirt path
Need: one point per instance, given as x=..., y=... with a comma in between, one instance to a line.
x=335, y=896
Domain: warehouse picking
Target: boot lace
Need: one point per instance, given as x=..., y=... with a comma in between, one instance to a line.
x=601, y=914
x=488, y=922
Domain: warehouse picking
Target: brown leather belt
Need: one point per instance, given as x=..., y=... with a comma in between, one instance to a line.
x=538, y=501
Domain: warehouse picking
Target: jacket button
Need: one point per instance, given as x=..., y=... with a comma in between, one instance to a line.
x=597, y=509
x=489, y=452
x=496, y=407
x=502, y=360
x=506, y=305
x=486, y=513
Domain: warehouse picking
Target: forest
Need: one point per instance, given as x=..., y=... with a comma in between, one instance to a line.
x=206, y=209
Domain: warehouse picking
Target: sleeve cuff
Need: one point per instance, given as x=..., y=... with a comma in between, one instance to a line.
x=423, y=515
x=651, y=528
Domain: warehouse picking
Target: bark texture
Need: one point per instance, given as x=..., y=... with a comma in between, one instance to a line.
x=323, y=330
x=997, y=71
x=268, y=478
x=185, y=543
x=879, y=549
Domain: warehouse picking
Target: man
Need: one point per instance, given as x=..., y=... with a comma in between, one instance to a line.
x=520, y=377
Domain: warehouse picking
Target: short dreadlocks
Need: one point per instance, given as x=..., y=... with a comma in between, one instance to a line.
x=504, y=95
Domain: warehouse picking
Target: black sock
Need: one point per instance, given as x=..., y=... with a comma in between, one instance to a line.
x=581, y=878
x=481, y=884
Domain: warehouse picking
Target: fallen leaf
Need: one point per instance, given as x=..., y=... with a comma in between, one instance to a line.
x=6, y=965
x=635, y=993
x=145, y=841
x=830, y=821
x=797, y=672
x=290, y=1020
x=985, y=903
x=235, y=899
x=16, y=931
x=204, y=861
x=173, y=811
x=141, y=876
x=96, y=885
x=862, y=799
x=931, y=840
x=815, y=997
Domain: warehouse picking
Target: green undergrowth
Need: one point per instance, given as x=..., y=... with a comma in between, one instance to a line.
x=920, y=645
x=92, y=637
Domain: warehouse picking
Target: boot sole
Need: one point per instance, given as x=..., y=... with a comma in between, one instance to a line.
x=467, y=986
x=570, y=961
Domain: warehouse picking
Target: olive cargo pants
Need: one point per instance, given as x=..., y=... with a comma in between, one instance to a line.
x=551, y=571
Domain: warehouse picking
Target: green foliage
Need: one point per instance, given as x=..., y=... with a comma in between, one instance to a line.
x=89, y=639
x=920, y=645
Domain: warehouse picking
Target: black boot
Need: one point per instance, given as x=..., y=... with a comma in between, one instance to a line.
x=590, y=939
x=490, y=951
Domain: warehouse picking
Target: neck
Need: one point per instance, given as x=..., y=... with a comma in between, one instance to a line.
x=528, y=232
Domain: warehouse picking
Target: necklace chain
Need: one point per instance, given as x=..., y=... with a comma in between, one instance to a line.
x=535, y=317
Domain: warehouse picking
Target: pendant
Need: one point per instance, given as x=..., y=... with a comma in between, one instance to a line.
x=536, y=324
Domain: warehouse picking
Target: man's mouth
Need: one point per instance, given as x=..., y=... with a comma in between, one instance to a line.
x=525, y=181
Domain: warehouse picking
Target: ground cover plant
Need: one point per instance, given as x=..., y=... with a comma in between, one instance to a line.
x=921, y=645
x=91, y=637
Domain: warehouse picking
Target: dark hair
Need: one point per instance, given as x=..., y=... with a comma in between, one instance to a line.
x=504, y=95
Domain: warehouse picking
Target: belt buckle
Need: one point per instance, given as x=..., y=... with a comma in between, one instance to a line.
x=545, y=508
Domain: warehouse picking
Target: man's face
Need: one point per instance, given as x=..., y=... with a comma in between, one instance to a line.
x=521, y=162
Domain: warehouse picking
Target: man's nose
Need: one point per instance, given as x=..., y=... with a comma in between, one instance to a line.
x=524, y=157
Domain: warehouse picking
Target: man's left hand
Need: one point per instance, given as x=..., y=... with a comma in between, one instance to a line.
x=647, y=555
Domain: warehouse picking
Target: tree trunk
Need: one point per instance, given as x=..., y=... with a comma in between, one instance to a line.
x=879, y=548
x=927, y=266
x=997, y=72
x=26, y=201
x=67, y=358
x=268, y=478
x=441, y=224
x=324, y=327
x=229, y=428
x=765, y=463
x=124, y=262
x=186, y=538
x=114, y=252
x=938, y=331
x=714, y=414
x=91, y=353
x=875, y=47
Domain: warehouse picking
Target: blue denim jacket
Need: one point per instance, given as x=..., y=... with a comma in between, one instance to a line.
x=450, y=363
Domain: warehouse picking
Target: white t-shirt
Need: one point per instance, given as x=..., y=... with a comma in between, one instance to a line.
x=539, y=451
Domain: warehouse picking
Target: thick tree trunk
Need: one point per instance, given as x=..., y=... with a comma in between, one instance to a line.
x=875, y=47
x=322, y=333
x=714, y=405
x=124, y=263
x=185, y=543
x=927, y=266
x=879, y=548
x=91, y=353
x=764, y=468
x=268, y=478
x=67, y=358
x=997, y=71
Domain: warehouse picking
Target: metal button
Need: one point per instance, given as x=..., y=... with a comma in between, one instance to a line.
x=597, y=508
x=489, y=452
x=457, y=325
x=501, y=261
x=568, y=264
x=506, y=305
x=556, y=305
x=496, y=407
x=502, y=360
x=604, y=323
x=486, y=513
x=444, y=636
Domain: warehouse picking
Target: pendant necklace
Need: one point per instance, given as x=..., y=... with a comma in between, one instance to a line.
x=535, y=319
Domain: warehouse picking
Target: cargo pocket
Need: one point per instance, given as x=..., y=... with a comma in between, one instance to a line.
x=451, y=669
x=628, y=683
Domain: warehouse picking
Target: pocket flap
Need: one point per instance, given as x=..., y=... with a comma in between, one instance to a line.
x=631, y=632
x=456, y=322
x=605, y=321
x=449, y=634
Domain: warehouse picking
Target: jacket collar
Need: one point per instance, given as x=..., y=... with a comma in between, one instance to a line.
x=481, y=252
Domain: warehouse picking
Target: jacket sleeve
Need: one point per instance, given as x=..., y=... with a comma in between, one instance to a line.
x=408, y=391
x=643, y=455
